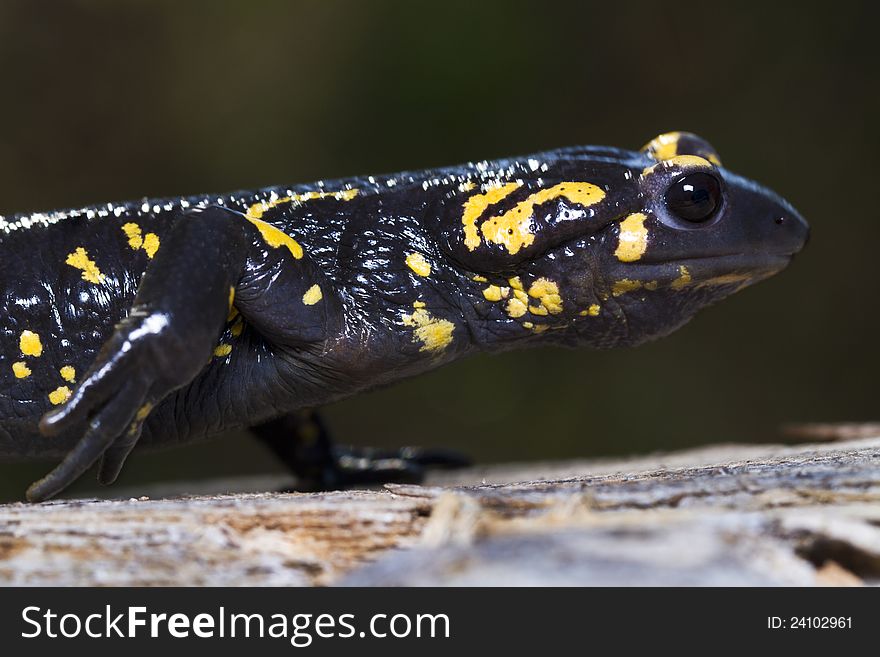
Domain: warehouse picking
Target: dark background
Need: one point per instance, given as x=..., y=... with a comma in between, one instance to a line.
x=107, y=101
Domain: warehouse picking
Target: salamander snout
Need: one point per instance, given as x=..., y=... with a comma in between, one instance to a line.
x=792, y=230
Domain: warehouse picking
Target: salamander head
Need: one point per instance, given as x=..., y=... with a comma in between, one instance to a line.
x=610, y=248
x=700, y=234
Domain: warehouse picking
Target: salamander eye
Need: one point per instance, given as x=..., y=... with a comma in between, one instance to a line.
x=695, y=197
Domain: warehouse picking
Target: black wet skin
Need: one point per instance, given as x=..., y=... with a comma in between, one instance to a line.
x=149, y=338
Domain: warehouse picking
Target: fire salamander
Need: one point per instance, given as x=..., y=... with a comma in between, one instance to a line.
x=161, y=321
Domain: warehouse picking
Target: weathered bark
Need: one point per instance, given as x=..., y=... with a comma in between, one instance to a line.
x=730, y=515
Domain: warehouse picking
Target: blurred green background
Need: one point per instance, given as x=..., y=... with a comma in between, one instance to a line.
x=108, y=101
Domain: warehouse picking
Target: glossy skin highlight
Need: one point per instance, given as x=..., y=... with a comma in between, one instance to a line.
x=163, y=321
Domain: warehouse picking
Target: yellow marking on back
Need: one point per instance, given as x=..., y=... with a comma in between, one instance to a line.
x=60, y=395
x=151, y=244
x=480, y=279
x=512, y=229
x=68, y=373
x=133, y=233
x=80, y=260
x=136, y=240
x=592, y=311
x=258, y=209
x=476, y=205
x=313, y=295
x=222, y=350
x=418, y=263
x=434, y=334
x=633, y=240
x=237, y=328
x=30, y=344
x=21, y=370
x=683, y=280
x=277, y=238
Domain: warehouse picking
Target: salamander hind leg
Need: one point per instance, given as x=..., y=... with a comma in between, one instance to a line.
x=178, y=313
x=301, y=441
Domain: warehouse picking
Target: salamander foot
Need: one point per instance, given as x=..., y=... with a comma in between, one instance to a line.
x=302, y=443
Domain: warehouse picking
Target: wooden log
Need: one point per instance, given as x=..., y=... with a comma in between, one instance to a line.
x=728, y=515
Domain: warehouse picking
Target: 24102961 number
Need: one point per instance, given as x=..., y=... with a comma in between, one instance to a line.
x=809, y=622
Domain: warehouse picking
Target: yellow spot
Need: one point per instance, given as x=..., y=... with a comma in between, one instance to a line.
x=222, y=350
x=80, y=260
x=143, y=412
x=133, y=233
x=496, y=293
x=513, y=228
x=418, y=304
x=663, y=147
x=151, y=244
x=594, y=310
x=683, y=280
x=633, y=240
x=237, y=328
x=21, y=370
x=540, y=328
x=625, y=285
x=60, y=395
x=68, y=373
x=516, y=308
x=480, y=279
x=476, y=205
x=434, y=334
x=30, y=344
x=466, y=186
x=276, y=238
x=528, y=325
x=313, y=295
x=547, y=293
x=417, y=262
x=515, y=283
x=651, y=285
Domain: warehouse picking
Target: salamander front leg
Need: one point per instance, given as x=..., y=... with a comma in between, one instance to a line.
x=164, y=342
x=301, y=441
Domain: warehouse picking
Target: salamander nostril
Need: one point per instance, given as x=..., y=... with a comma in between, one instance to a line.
x=779, y=221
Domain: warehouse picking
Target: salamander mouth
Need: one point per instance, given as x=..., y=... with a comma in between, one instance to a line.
x=690, y=272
